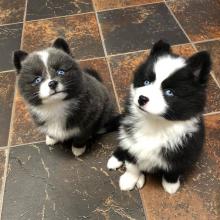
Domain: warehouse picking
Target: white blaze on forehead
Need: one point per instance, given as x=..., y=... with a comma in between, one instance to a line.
x=166, y=65
x=44, y=56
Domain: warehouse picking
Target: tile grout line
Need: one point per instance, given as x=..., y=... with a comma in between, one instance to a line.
x=128, y=6
x=207, y=40
x=8, y=24
x=106, y=57
x=10, y=128
x=211, y=113
x=28, y=143
x=192, y=43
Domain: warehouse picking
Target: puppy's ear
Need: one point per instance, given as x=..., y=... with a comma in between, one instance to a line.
x=200, y=64
x=61, y=44
x=18, y=57
x=160, y=47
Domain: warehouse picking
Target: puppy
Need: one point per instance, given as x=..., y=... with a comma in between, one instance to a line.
x=162, y=128
x=65, y=101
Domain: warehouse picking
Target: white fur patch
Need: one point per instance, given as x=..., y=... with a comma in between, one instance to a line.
x=171, y=188
x=150, y=134
x=129, y=179
x=44, y=57
x=163, y=68
x=78, y=151
x=50, y=141
x=113, y=163
x=55, y=114
x=141, y=181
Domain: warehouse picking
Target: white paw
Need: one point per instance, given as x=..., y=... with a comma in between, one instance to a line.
x=78, y=151
x=141, y=181
x=114, y=163
x=171, y=188
x=128, y=181
x=50, y=141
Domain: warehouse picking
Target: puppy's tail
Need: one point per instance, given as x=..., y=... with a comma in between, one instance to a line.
x=93, y=73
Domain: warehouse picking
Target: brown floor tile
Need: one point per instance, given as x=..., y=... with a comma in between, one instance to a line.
x=123, y=67
x=200, y=19
x=136, y=28
x=103, y=4
x=10, y=39
x=54, y=8
x=50, y=183
x=214, y=48
x=7, y=85
x=11, y=11
x=81, y=31
x=199, y=196
x=23, y=129
x=2, y=168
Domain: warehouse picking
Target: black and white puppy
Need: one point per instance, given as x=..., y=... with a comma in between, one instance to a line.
x=162, y=128
x=65, y=101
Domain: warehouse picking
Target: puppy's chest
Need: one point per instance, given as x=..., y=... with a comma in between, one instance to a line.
x=54, y=122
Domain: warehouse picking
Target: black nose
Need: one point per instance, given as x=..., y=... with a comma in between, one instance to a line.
x=142, y=100
x=53, y=84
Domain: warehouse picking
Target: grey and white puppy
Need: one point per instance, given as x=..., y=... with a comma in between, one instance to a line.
x=65, y=101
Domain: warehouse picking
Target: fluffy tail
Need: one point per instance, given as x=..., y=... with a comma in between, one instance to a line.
x=93, y=73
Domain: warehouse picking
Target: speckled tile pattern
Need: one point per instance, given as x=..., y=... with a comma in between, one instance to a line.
x=199, y=18
x=55, y=185
x=112, y=37
x=199, y=196
x=110, y=4
x=54, y=8
x=80, y=30
x=7, y=85
x=10, y=39
x=11, y=11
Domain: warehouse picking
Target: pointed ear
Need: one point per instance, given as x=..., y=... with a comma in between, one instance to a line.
x=18, y=57
x=61, y=44
x=160, y=47
x=200, y=64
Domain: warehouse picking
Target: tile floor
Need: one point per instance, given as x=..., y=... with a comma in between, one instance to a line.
x=113, y=36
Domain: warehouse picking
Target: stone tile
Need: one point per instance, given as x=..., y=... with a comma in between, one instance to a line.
x=7, y=84
x=81, y=31
x=214, y=49
x=11, y=11
x=103, y=4
x=23, y=128
x=10, y=38
x=200, y=18
x=2, y=167
x=101, y=66
x=136, y=28
x=199, y=196
x=54, y=8
x=123, y=67
x=48, y=182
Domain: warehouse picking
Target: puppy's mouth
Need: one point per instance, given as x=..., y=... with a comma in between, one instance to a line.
x=57, y=92
x=141, y=108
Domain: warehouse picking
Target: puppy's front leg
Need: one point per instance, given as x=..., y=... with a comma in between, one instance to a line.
x=50, y=141
x=78, y=151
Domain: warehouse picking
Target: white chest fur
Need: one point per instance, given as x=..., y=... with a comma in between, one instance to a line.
x=150, y=134
x=55, y=115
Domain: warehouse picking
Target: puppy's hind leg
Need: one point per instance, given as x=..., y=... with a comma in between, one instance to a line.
x=116, y=160
x=171, y=182
x=78, y=150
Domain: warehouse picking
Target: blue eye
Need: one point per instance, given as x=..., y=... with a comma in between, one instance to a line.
x=60, y=72
x=168, y=92
x=37, y=80
x=146, y=82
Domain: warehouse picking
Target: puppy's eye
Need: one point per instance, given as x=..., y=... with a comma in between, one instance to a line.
x=60, y=72
x=37, y=80
x=169, y=92
x=147, y=82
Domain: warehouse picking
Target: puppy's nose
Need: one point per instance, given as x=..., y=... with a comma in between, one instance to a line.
x=53, y=84
x=142, y=100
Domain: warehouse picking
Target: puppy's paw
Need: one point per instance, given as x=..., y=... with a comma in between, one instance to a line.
x=78, y=151
x=141, y=181
x=114, y=163
x=171, y=188
x=128, y=181
x=50, y=141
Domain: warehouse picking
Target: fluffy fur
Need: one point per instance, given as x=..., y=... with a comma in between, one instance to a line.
x=65, y=101
x=162, y=128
